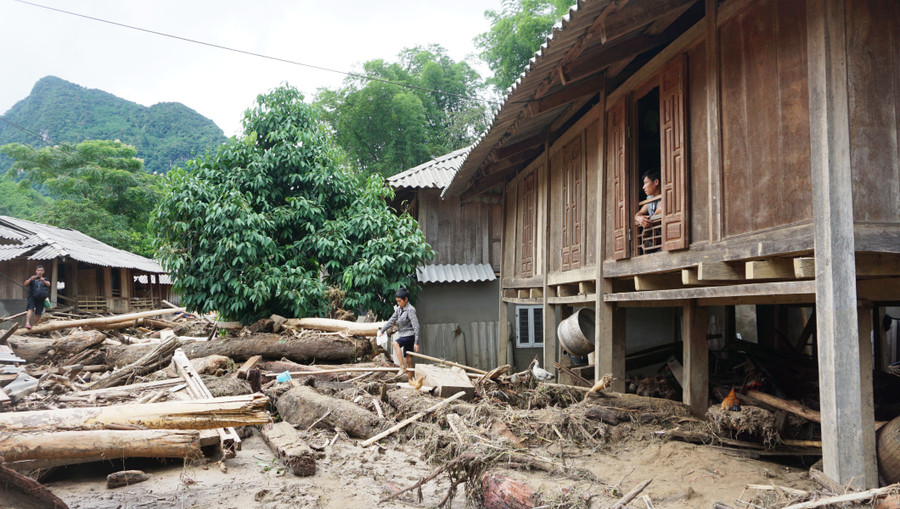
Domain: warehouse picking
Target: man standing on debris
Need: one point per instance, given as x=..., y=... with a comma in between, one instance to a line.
x=38, y=290
x=408, y=327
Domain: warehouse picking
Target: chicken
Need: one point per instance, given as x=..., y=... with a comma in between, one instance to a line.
x=731, y=402
x=417, y=383
x=603, y=383
x=541, y=373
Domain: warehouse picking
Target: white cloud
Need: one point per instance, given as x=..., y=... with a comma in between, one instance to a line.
x=148, y=69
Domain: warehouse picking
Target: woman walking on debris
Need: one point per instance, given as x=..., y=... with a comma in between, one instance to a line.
x=408, y=327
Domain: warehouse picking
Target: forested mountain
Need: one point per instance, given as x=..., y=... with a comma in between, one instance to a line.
x=164, y=134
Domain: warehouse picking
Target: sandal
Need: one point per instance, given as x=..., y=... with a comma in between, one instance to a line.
x=27, y=326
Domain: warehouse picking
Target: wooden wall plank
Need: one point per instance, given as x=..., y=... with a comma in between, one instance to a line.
x=874, y=75
x=712, y=135
x=699, y=169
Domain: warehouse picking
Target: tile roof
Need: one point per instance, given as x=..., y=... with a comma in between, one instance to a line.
x=456, y=273
x=49, y=242
x=436, y=173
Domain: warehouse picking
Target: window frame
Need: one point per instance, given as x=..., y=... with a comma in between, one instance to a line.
x=531, y=310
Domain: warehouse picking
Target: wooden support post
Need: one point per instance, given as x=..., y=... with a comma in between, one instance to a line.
x=715, y=189
x=846, y=452
x=610, y=344
x=503, y=333
x=551, y=345
x=72, y=283
x=54, y=280
x=695, y=386
x=107, y=285
x=126, y=282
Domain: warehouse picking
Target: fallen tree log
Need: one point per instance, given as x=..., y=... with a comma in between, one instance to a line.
x=95, y=322
x=332, y=325
x=284, y=441
x=308, y=348
x=201, y=414
x=156, y=359
x=86, y=446
x=33, y=349
x=789, y=406
x=21, y=491
x=303, y=406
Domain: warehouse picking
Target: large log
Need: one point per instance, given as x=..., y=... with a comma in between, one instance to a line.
x=284, y=441
x=86, y=446
x=308, y=348
x=303, y=406
x=156, y=359
x=17, y=490
x=202, y=414
x=95, y=322
x=32, y=349
x=332, y=325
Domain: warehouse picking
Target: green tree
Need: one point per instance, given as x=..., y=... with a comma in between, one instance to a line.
x=386, y=128
x=270, y=220
x=516, y=33
x=21, y=201
x=100, y=187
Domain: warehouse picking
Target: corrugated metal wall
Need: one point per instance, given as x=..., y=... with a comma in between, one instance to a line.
x=476, y=348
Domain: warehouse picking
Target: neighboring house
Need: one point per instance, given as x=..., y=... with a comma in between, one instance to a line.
x=774, y=125
x=458, y=305
x=85, y=273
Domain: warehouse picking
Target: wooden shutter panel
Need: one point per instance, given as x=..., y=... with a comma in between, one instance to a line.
x=617, y=156
x=528, y=217
x=673, y=124
x=576, y=197
x=566, y=249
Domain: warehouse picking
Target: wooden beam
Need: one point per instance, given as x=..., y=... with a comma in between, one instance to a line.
x=846, y=454
x=514, y=148
x=804, y=267
x=715, y=187
x=877, y=264
x=720, y=271
x=584, y=88
x=657, y=282
x=709, y=292
x=695, y=386
x=634, y=15
x=879, y=290
x=776, y=268
x=606, y=55
x=536, y=293
x=566, y=290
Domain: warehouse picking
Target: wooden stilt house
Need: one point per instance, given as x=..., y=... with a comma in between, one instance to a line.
x=84, y=273
x=774, y=127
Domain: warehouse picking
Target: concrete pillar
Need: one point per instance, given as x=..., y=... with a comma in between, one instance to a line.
x=847, y=429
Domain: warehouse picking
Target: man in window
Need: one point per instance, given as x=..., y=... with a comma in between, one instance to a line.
x=650, y=210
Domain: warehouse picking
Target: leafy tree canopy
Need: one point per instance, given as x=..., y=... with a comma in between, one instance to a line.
x=516, y=33
x=99, y=188
x=386, y=128
x=270, y=220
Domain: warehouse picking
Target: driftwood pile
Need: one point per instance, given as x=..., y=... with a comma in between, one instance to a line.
x=176, y=385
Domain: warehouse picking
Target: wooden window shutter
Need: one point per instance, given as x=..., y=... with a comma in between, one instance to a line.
x=566, y=249
x=617, y=156
x=673, y=124
x=528, y=217
x=576, y=198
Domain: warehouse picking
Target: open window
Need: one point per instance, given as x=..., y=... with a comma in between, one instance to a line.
x=529, y=327
x=647, y=133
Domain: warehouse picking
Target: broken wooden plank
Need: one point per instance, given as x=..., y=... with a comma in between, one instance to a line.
x=402, y=424
x=250, y=363
x=228, y=437
x=448, y=363
x=201, y=414
x=285, y=443
x=446, y=381
x=153, y=360
x=9, y=332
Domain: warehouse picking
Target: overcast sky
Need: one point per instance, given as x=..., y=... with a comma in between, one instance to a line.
x=149, y=69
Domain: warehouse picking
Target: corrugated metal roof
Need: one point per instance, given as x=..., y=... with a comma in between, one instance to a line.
x=455, y=273
x=54, y=242
x=12, y=252
x=436, y=173
x=513, y=121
